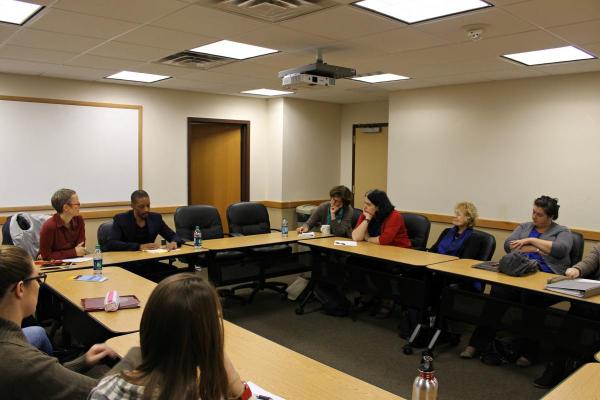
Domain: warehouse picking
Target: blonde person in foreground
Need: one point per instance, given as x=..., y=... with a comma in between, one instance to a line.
x=181, y=354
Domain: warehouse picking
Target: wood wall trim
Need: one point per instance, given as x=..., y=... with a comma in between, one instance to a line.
x=70, y=102
x=500, y=225
x=50, y=209
x=100, y=213
x=289, y=204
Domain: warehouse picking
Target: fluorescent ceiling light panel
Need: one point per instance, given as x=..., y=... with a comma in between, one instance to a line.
x=266, y=92
x=413, y=11
x=550, y=56
x=137, y=77
x=239, y=51
x=380, y=78
x=17, y=12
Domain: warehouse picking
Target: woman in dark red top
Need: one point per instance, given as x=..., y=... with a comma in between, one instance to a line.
x=63, y=235
x=380, y=223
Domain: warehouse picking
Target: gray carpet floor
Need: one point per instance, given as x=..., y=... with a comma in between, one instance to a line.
x=370, y=349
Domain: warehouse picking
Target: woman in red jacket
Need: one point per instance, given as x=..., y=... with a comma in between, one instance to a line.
x=380, y=223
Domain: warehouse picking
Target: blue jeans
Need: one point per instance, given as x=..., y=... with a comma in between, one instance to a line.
x=36, y=336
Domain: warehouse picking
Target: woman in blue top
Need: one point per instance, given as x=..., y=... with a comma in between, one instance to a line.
x=454, y=241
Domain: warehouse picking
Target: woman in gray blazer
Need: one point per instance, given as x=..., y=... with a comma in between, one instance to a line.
x=541, y=240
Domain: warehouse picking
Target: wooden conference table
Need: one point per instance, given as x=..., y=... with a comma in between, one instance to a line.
x=262, y=239
x=583, y=384
x=124, y=282
x=280, y=370
x=111, y=258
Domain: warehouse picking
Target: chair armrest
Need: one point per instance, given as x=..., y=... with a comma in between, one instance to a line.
x=276, y=230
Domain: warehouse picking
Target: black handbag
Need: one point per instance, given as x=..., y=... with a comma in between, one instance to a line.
x=517, y=264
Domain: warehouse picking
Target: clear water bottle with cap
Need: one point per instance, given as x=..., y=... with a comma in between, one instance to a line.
x=284, y=227
x=98, y=260
x=197, y=238
x=425, y=386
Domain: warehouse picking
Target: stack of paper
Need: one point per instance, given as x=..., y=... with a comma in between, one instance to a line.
x=260, y=393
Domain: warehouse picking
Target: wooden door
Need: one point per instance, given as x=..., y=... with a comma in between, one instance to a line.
x=370, y=161
x=215, y=161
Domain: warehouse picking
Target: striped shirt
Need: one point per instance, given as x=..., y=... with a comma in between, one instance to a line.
x=115, y=387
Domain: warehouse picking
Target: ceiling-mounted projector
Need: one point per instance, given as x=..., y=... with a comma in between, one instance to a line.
x=316, y=74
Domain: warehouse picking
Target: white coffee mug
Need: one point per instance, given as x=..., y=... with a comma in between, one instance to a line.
x=326, y=229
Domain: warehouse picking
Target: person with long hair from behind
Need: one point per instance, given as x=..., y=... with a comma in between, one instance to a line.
x=181, y=344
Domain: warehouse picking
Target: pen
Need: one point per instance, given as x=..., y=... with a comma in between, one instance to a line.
x=261, y=397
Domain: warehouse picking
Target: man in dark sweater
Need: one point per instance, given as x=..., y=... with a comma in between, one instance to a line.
x=137, y=230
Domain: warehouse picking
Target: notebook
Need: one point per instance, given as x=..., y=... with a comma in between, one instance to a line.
x=97, y=303
x=488, y=266
x=576, y=287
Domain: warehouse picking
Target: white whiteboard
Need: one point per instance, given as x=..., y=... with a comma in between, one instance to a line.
x=45, y=146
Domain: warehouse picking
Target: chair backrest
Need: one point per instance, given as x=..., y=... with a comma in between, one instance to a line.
x=248, y=218
x=205, y=217
x=104, y=233
x=577, y=250
x=6, y=238
x=418, y=227
x=481, y=246
x=355, y=215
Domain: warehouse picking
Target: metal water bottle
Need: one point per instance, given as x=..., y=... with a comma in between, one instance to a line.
x=425, y=386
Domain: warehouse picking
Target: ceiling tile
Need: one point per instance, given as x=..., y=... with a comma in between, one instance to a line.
x=248, y=69
x=70, y=72
x=160, y=69
x=276, y=37
x=399, y=40
x=548, y=13
x=459, y=79
x=6, y=31
x=341, y=23
x=22, y=67
x=573, y=67
x=204, y=21
x=129, y=10
x=495, y=22
x=129, y=51
x=579, y=34
x=164, y=38
x=79, y=24
x=37, y=55
x=53, y=41
x=98, y=62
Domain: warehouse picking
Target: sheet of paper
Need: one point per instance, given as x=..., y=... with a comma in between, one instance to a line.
x=77, y=259
x=306, y=235
x=90, y=278
x=158, y=251
x=258, y=391
x=351, y=243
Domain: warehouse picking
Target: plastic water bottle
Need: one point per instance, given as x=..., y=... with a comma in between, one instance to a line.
x=284, y=227
x=197, y=238
x=425, y=386
x=98, y=260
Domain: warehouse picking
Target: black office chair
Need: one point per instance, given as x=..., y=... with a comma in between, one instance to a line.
x=355, y=216
x=205, y=217
x=418, y=227
x=577, y=249
x=479, y=246
x=249, y=218
x=104, y=234
x=6, y=238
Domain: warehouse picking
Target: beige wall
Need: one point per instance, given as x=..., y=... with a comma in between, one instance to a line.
x=500, y=145
x=274, y=150
x=311, y=150
x=361, y=113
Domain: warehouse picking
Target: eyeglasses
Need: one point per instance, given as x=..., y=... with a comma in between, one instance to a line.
x=41, y=278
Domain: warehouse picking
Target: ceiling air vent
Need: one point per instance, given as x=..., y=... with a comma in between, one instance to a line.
x=189, y=59
x=269, y=10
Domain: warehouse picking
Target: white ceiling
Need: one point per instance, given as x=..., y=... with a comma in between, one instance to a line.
x=90, y=39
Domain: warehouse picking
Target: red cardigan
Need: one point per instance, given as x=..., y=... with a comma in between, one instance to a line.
x=58, y=242
x=393, y=231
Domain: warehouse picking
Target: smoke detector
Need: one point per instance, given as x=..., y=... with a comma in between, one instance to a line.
x=474, y=32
